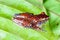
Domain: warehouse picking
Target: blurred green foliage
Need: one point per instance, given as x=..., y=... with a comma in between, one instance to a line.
x=11, y=31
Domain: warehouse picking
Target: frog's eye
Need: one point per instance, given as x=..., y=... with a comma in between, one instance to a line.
x=31, y=14
x=43, y=15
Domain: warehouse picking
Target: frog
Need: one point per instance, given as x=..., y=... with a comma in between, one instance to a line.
x=29, y=20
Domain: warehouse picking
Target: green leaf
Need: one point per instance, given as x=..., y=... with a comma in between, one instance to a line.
x=8, y=36
x=7, y=11
x=54, y=23
x=53, y=7
x=51, y=29
x=38, y=3
x=27, y=34
x=22, y=5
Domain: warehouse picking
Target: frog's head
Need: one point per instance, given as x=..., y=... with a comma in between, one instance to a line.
x=43, y=16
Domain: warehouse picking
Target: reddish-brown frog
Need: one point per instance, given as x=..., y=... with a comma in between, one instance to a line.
x=29, y=20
